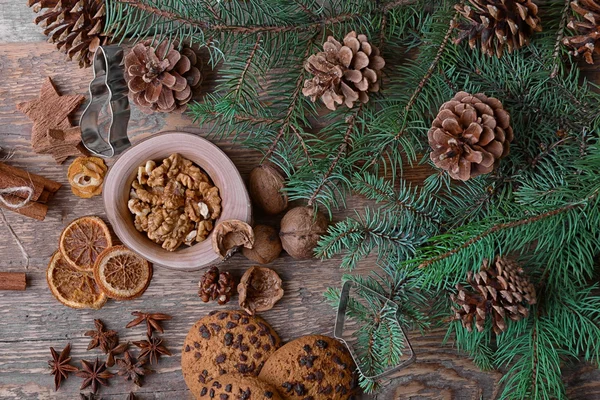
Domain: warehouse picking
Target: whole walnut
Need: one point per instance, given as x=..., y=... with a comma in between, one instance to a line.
x=265, y=185
x=301, y=228
x=267, y=245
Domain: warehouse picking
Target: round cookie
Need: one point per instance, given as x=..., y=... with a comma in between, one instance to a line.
x=312, y=367
x=235, y=386
x=226, y=342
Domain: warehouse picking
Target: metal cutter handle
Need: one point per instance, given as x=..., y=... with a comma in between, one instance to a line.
x=107, y=87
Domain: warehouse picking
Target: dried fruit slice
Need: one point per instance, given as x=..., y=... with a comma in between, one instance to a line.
x=71, y=286
x=86, y=175
x=83, y=240
x=121, y=273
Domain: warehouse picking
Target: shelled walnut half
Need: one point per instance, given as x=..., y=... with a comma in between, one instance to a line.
x=174, y=202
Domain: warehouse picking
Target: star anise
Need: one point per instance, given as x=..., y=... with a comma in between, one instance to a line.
x=152, y=349
x=60, y=365
x=106, y=339
x=120, y=349
x=89, y=396
x=152, y=321
x=132, y=369
x=94, y=374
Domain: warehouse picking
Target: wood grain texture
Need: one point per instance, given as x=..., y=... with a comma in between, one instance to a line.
x=33, y=320
x=235, y=202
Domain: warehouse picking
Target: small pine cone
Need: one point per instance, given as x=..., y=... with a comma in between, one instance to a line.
x=502, y=290
x=498, y=23
x=75, y=26
x=344, y=73
x=216, y=286
x=587, y=42
x=469, y=135
x=162, y=78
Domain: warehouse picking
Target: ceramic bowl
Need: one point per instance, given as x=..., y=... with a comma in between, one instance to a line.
x=235, y=200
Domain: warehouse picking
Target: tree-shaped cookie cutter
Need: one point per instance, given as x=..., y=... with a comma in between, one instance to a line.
x=341, y=319
x=108, y=86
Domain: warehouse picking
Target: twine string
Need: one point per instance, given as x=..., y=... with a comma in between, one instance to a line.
x=13, y=190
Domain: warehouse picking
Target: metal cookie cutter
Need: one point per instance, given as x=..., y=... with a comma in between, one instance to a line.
x=107, y=87
x=339, y=329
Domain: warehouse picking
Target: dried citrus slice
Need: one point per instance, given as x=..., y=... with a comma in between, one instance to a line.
x=71, y=286
x=121, y=273
x=83, y=240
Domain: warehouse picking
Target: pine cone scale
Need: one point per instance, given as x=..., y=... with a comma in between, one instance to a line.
x=343, y=73
x=160, y=78
x=498, y=24
x=501, y=291
x=74, y=26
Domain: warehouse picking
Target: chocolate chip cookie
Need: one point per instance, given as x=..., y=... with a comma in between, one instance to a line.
x=236, y=387
x=226, y=342
x=312, y=367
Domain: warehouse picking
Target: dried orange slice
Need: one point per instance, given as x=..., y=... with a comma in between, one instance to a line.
x=71, y=286
x=121, y=273
x=83, y=240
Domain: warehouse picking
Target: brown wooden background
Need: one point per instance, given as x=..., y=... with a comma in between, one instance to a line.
x=33, y=320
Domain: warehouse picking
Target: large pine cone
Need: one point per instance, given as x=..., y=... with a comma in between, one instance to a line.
x=161, y=79
x=502, y=291
x=216, y=285
x=498, y=23
x=74, y=26
x=469, y=135
x=344, y=73
x=588, y=40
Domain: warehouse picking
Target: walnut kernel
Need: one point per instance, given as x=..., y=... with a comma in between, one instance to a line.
x=174, y=202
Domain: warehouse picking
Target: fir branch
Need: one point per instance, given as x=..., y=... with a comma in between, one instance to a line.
x=430, y=70
x=239, y=29
x=386, y=231
x=351, y=120
x=238, y=88
x=559, y=38
x=506, y=226
x=292, y=104
x=421, y=205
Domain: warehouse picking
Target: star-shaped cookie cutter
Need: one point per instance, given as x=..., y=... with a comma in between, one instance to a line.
x=338, y=332
x=107, y=87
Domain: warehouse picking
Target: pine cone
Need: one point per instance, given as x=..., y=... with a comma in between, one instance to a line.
x=498, y=23
x=216, y=286
x=502, y=291
x=162, y=78
x=588, y=40
x=344, y=73
x=75, y=26
x=469, y=135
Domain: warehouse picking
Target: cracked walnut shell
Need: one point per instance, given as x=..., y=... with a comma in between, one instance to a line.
x=174, y=202
x=259, y=289
x=229, y=235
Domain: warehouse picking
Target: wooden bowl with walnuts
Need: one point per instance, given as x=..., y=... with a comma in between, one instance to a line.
x=164, y=196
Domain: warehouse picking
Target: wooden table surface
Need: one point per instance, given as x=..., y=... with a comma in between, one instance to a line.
x=32, y=321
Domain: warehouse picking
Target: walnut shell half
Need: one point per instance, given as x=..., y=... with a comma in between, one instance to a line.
x=259, y=289
x=229, y=235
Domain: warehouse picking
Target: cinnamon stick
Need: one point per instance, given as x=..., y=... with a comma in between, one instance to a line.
x=45, y=196
x=13, y=281
x=8, y=180
x=48, y=184
x=32, y=209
